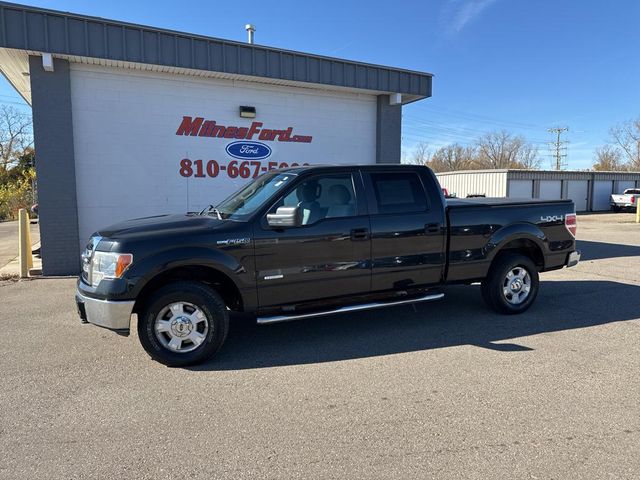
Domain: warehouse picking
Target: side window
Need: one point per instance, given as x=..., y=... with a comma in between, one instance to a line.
x=326, y=196
x=400, y=192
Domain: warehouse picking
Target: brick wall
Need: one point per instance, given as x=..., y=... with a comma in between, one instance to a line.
x=53, y=134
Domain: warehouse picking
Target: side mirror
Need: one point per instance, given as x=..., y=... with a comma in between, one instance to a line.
x=285, y=217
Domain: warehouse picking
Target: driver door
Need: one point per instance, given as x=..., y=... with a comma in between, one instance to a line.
x=328, y=256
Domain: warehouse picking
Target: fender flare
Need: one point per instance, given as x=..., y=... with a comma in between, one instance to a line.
x=154, y=265
x=516, y=231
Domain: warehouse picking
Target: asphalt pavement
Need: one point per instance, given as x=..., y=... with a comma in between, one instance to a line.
x=445, y=390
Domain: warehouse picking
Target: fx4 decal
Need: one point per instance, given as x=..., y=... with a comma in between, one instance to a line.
x=233, y=241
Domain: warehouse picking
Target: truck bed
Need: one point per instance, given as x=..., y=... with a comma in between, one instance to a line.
x=499, y=202
x=478, y=225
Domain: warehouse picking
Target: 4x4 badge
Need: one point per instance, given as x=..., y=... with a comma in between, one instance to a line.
x=552, y=218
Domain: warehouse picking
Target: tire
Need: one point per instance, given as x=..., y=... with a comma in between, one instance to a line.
x=503, y=276
x=183, y=323
x=616, y=209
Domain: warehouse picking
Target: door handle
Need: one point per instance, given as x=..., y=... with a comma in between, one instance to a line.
x=360, y=234
x=432, y=227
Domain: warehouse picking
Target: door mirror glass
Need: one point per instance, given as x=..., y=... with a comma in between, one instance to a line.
x=285, y=217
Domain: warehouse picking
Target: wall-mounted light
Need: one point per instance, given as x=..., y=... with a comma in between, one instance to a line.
x=47, y=62
x=247, y=112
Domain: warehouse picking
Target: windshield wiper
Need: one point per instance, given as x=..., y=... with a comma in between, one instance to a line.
x=212, y=209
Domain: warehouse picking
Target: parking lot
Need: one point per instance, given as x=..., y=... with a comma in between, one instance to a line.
x=445, y=390
x=9, y=240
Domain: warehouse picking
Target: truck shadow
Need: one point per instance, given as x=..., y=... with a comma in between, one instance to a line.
x=600, y=250
x=460, y=319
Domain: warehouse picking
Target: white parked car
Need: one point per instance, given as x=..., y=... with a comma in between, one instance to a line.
x=628, y=200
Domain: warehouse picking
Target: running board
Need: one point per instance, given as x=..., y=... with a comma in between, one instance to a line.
x=352, y=308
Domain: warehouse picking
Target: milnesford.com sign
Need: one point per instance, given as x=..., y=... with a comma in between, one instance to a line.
x=245, y=151
x=199, y=127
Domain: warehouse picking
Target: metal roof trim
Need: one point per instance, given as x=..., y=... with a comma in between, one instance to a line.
x=31, y=28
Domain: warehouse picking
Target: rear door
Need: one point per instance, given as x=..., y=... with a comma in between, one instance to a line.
x=408, y=229
x=326, y=257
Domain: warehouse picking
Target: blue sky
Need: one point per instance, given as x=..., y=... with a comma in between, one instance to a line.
x=518, y=65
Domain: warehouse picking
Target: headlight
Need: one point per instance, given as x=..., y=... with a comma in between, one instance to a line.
x=108, y=265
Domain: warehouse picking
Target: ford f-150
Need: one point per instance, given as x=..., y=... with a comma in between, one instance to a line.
x=310, y=241
x=628, y=200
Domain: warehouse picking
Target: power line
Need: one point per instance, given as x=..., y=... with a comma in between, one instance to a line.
x=439, y=132
x=481, y=118
x=458, y=135
x=432, y=124
x=10, y=96
x=558, y=147
x=4, y=102
x=436, y=136
x=428, y=129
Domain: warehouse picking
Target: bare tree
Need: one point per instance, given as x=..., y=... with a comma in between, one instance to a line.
x=453, y=157
x=626, y=136
x=420, y=154
x=15, y=135
x=608, y=159
x=504, y=150
x=491, y=151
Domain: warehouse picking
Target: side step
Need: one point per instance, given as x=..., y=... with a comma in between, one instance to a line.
x=352, y=308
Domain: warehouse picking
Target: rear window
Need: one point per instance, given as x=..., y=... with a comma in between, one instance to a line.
x=400, y=192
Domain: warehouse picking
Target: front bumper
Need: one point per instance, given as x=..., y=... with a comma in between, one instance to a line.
x=573, y=258
x=115, y=315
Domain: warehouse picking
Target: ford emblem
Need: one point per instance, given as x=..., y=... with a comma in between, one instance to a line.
x=248, y=150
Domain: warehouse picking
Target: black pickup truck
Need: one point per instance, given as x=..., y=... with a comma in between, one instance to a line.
x=311, y=241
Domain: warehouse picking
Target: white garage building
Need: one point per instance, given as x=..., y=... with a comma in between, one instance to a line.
x=131, y=121
x=590, y=191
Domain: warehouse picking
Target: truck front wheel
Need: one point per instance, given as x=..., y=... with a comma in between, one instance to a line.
x=183, y=323
x=511, y=285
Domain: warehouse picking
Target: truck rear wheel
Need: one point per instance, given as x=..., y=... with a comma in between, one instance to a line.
x=511, y=285
x=183, y=323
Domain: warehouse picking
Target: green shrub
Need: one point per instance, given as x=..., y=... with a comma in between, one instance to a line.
x=16, y=194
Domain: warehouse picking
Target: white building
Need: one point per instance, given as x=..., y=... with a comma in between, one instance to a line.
x=590, y=191
x=132, y=121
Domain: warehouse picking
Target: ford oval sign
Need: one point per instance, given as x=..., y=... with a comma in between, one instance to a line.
x=248, y=150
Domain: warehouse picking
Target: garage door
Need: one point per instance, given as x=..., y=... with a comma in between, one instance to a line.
x=601, y=195
x=168, y=160
x=621, y=186
x=550, y=189
x=521, y=189
x=578, y=191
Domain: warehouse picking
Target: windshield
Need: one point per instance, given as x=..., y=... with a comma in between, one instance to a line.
x=251, y=197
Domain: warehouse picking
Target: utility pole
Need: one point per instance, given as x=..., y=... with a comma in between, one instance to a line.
x=558, y=147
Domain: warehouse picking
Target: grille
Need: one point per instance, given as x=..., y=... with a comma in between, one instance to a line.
x=87, y=257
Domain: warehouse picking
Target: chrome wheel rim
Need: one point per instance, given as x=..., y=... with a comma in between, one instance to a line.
x=516, y=285
x=181, y=327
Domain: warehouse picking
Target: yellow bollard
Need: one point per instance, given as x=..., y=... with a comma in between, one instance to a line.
x=24, y=243
x=637, y=209
x=29, y=244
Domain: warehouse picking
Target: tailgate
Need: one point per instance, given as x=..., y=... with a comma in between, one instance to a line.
x=621, y=198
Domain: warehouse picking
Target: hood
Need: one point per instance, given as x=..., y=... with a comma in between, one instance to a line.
x=161, y=224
